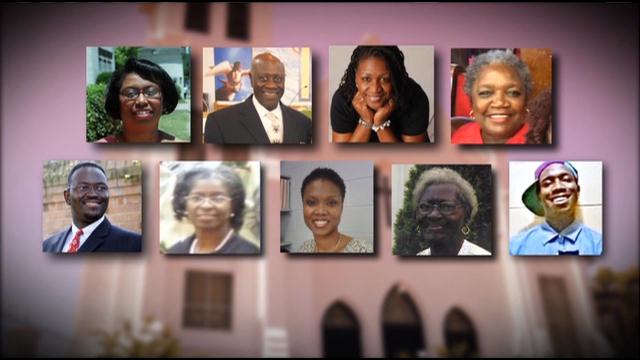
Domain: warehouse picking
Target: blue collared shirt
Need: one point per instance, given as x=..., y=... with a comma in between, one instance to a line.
x=542, y=239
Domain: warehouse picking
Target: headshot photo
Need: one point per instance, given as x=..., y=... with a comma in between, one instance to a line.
x=501, y=96
x=381, y=94
x=326, y=207
x=555, y=208
x=138, y=95
x=442, y=210
x=92, y=206
x=210, y=207
x=257, y=95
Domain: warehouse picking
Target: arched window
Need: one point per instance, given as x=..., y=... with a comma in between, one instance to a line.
x=402, y=325
x=341, y=332
x=459, y=334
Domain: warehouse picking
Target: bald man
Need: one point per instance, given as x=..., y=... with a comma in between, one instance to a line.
x=262, y=118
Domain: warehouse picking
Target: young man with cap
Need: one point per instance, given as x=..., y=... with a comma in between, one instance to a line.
x=554, y=196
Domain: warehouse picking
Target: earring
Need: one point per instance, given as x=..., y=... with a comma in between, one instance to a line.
x=527, y=110
x=232, y=215
x=418, y=230
x=465, y=230
x=471, y=114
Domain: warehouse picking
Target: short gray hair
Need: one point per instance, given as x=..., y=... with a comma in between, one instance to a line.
x=447, y=176
x=506, y=57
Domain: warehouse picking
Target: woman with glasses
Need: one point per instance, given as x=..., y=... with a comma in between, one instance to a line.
x=444, y=205
x=213, y=201
x=138, y=95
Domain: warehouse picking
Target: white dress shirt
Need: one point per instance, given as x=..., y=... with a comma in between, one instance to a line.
x=275, y=127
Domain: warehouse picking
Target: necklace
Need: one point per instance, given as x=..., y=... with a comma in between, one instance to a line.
x=334, y=249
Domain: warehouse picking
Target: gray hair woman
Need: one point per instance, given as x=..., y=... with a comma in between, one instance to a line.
x=444, y=204
x=499, y=85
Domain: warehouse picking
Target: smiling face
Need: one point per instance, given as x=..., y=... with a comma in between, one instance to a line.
x=499, y=102
x=322, y=207
x=267, y=80
x=440, y=216
x=145, y=109
x=208, y=205
x=373, y=80
x=559, y=191
x=88, y=195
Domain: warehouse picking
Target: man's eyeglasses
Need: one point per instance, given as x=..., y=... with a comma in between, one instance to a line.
x=150, y=92
x=86, y=188
x=215, y=199
x=444, y=208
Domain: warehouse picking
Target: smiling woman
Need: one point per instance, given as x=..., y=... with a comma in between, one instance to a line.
x=139, y=95
x=323, y=192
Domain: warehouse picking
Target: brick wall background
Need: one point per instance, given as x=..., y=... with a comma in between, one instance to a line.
x=125, y=194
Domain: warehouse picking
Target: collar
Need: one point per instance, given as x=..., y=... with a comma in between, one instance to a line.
x=192, y=248
x=471, y=133
x=87, y=230
x=570, y=233
x=262, y=111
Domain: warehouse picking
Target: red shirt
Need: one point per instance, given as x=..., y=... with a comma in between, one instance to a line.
x=470, y=134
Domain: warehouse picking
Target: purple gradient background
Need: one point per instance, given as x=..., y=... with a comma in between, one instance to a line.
x=596, y=81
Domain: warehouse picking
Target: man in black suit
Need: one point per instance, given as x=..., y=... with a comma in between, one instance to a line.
x=88, y=196
x=262, y=118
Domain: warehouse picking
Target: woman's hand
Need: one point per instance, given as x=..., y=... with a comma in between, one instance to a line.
x=384, y=112
x=360, y=105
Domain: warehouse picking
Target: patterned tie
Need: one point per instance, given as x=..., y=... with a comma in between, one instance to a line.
x=75, y=243
x=275, y=135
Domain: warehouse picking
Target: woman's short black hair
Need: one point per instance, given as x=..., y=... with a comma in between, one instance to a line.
x=149, y=71
x=229, y=179
x=324, y=174
x=390, y=55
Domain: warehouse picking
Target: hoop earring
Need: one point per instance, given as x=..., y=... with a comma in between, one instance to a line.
x=465, y=230
x=471, y=114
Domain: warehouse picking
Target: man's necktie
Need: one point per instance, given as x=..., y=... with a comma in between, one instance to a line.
x=275, y=134
x=75, y=243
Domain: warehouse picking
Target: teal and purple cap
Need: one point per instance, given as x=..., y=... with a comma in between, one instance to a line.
x=530, y=196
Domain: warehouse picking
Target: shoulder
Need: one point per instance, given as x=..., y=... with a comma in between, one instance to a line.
x=425, y=252
x=182, y=246
x=594, y=238
x=306, y=247
x=239, y=245
x=473, y=249
x=109, y=139
x=467, y=134
x=122, y=232
x=413, y=90
x=294, y=114
x=519, y=242
x=49, y=245
x=358, y=246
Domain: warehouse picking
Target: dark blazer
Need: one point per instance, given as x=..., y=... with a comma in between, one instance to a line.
x=236, y=245
x=240, y=124
x=105, y=238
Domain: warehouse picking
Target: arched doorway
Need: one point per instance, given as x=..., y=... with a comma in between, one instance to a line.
x=341, y=332
x=401, y=325
x=459, y=334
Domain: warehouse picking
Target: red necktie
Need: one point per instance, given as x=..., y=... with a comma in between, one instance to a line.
x=75, y=243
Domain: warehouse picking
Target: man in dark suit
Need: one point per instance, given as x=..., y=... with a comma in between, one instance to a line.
x=88, y=196
x=262, y=118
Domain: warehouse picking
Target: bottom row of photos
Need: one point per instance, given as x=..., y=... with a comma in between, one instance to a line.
x=213, y=207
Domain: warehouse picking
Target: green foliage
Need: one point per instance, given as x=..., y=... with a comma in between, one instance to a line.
x=123, y=53
x=186, y=65
x=409, y=242
x=99, y=124
x=104, y=77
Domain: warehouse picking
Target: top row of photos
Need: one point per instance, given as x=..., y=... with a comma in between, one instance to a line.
x=263, y=95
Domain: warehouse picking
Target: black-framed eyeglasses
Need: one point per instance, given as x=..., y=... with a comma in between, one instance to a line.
x=445, y=208
x=215, y=199
x=150, y=92
x=85, y=188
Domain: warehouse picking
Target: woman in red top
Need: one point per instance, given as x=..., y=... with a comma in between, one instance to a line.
x=498, y=84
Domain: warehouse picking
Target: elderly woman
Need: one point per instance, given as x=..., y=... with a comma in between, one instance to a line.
x=499, y=85
x=138, y=95
x=444, y=205
x=323, y=193
x=213, y=201
x=377, y=101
